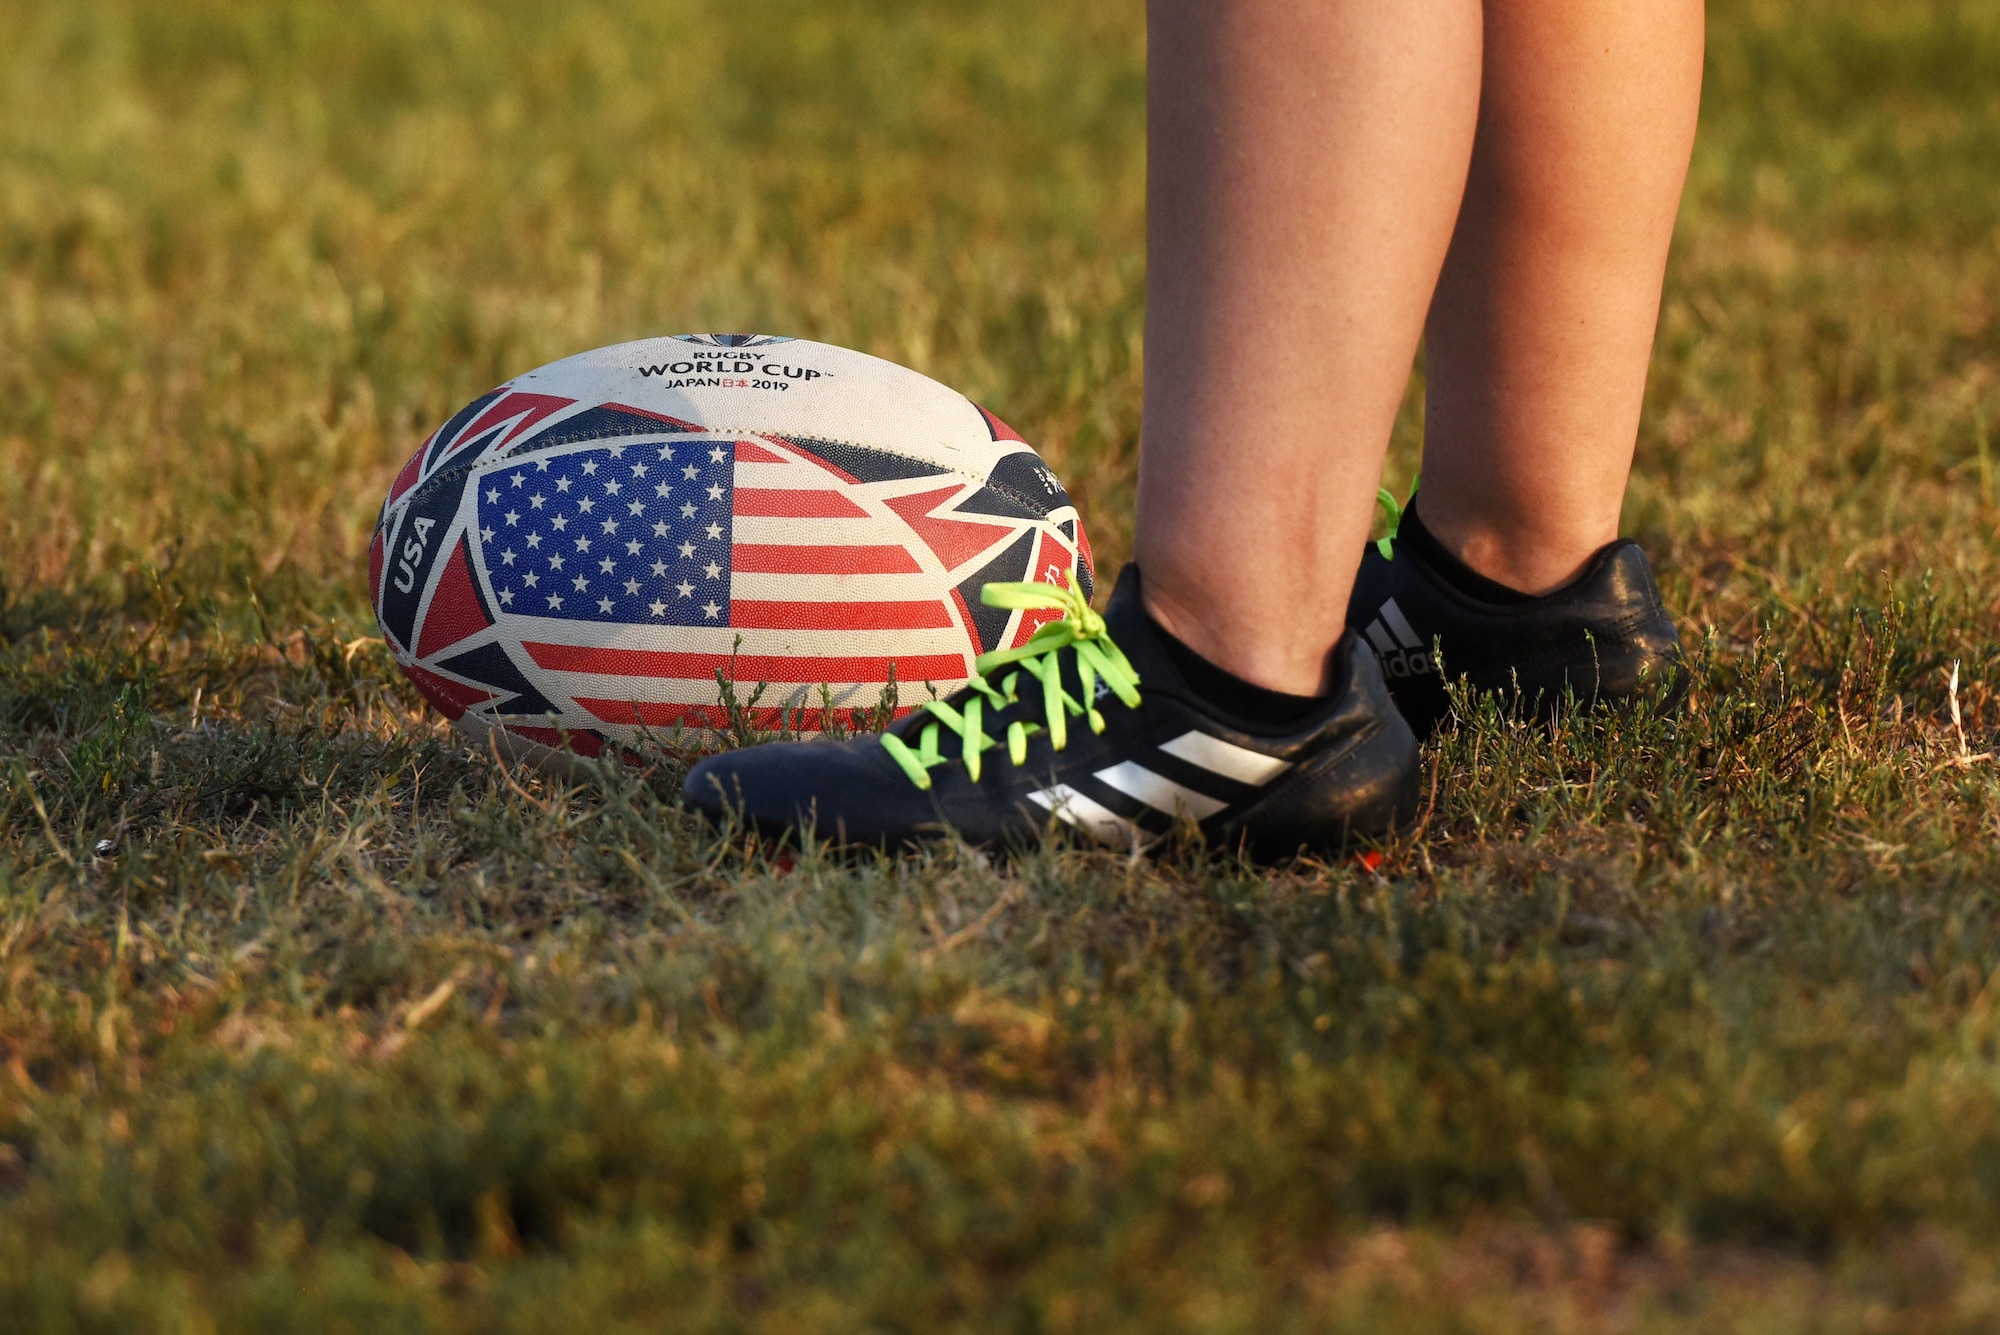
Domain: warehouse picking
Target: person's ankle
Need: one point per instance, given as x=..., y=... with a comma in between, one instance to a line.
x=1227, y=692
x=1490, y=565
x=1264, y=664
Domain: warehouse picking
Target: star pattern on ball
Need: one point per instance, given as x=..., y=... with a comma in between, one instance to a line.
x=613, y=533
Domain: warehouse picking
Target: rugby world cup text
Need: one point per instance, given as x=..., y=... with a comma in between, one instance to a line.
x=723, y=372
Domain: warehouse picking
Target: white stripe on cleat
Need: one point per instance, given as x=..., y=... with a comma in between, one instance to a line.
x=1405, y=633
x=1159, y=792
x=1226, y=758
x=1093, y=818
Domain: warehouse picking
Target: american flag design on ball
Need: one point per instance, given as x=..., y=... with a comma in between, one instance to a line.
x=612, y=533
x=574, y=557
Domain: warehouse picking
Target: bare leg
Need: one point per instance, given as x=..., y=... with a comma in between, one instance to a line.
x=1307, y=161
x=1542, y=328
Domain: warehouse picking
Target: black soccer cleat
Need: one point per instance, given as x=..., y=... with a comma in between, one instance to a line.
x=1605, y=636
x=1088, y=725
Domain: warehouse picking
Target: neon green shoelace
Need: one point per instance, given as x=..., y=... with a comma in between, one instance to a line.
x=1081, y=630
x=1387, y=500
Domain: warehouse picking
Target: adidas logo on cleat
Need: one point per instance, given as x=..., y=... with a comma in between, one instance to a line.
x=1401, y=652
x=1204, y=760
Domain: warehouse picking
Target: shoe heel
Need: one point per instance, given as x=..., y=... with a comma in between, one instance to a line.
x=1367, y=790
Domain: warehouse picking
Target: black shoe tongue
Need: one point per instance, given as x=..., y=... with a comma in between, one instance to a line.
x=1132, y=631
x=1124, y=606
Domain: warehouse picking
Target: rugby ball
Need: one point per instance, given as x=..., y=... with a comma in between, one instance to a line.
x=575, y=556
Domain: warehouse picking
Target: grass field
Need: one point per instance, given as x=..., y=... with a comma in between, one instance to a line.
x=310, y=1019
